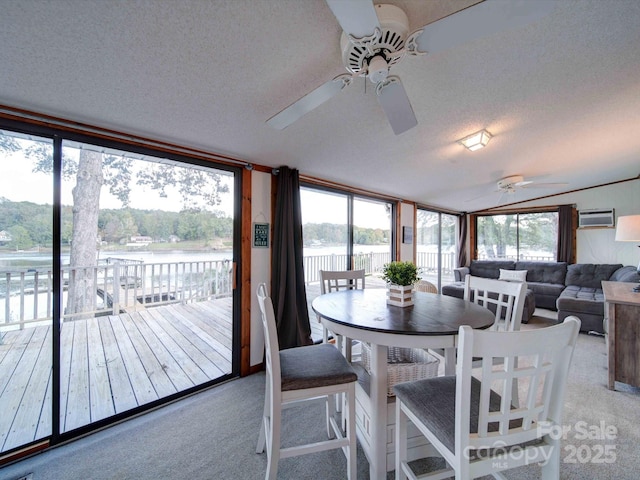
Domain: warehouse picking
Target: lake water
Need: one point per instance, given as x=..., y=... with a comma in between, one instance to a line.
x=28, y=260
x=35, y=260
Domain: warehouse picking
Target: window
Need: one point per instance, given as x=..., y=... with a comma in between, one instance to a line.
x=342, y=231
x=517, y=236
x=436, y=246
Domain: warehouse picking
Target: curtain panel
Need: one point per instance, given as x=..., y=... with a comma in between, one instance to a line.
x=566, y=233
x=287, y=272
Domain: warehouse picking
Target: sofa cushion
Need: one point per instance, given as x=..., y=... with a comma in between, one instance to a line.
x=578, y=300
x=546, y=288
x=490, y=268
x=544, y=272
x=626, y=274
x=589, y=274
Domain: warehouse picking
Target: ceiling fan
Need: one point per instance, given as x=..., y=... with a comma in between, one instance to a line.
x=509, y=185
x=513, y=182
x=377, y=37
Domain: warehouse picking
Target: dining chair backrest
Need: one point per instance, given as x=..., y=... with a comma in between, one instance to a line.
x=271, y=345
x=470, y=418
x=335, y=280
x=505, y=299
x=543, y=356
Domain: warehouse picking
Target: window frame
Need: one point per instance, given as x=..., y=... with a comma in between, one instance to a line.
x=473, y=225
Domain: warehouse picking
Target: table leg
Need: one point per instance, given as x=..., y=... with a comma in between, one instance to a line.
x=378, y=397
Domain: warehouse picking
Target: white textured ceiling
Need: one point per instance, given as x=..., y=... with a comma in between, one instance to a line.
x=561, y=96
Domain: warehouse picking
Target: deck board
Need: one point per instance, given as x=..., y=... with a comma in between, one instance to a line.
x=142, y=386
x=25, y=422
x=109, y=365
x=12, y=368
x=200, y=343
x=123, y=397
x=78, y=412
x=100, y=398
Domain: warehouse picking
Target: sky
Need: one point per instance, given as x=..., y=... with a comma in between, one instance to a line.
x=19, y=183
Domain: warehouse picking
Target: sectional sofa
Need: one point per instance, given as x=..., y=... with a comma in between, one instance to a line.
x=571, y=289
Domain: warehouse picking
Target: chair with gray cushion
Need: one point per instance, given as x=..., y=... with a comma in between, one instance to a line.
x=303, y=374
x=335, y=281
x=470, y=421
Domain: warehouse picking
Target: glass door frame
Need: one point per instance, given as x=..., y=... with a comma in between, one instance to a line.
x=57, y=135
x=350, y=197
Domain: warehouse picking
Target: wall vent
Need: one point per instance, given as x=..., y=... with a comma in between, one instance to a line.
x=596, y=218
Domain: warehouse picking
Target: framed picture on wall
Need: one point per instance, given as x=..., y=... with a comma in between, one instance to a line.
x=407, y=234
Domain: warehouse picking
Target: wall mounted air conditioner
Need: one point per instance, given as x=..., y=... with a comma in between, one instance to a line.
x=596, y=218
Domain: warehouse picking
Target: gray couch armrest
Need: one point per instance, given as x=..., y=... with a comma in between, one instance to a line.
x=460, y=273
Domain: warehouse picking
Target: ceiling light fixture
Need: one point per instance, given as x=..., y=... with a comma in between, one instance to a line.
x=476, y=141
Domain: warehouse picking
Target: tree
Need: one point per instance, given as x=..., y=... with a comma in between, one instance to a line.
x=84, y=241
x=20, y=238
x=93, y=170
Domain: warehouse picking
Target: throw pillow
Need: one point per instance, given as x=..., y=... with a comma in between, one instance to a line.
x=513, y=275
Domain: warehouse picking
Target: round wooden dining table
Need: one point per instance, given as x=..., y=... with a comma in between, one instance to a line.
x=431, y=322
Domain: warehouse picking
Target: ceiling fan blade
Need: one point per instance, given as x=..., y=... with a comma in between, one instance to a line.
x=356, y=17
x=544, y=185
x=485, y=195
x=477, y=21
x=395, y=103
x=310, y=101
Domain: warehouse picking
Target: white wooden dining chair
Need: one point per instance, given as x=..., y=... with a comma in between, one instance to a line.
x=506, y=299
x=334, y=281
x=303, y=374
x=471, y=422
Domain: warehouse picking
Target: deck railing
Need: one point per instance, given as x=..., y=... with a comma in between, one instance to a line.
x=371, y=263
x=26, y=295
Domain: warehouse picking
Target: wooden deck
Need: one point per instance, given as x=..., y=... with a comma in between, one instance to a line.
x=109, y=365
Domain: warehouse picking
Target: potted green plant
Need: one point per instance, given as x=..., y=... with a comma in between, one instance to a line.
x=400, y=278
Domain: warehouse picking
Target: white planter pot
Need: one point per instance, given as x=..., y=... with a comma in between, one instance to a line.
x=400, y=296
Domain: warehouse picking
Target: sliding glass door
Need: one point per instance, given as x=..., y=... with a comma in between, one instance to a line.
x=26, y=300
x=436, y=246
x=342, y=231
x=117, y=290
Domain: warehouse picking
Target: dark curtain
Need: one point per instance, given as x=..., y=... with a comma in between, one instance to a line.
x=287, y=272
x=462, y=240
x=565, y=234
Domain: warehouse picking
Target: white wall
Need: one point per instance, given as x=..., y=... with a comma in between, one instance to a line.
x=407, y=214
x=597, y=245
x=260, y=258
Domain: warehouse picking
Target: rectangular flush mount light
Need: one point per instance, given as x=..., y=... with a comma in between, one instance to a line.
x=476, y=141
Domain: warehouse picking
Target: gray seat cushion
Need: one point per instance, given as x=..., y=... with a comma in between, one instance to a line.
x=544, y=272
x=553, y=289
x=314, y=366
x=589, y=274
x=626, y=274
x=582, y=300
x=433, y=401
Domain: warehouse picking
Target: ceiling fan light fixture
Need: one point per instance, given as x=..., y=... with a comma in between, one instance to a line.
x=476, y=141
